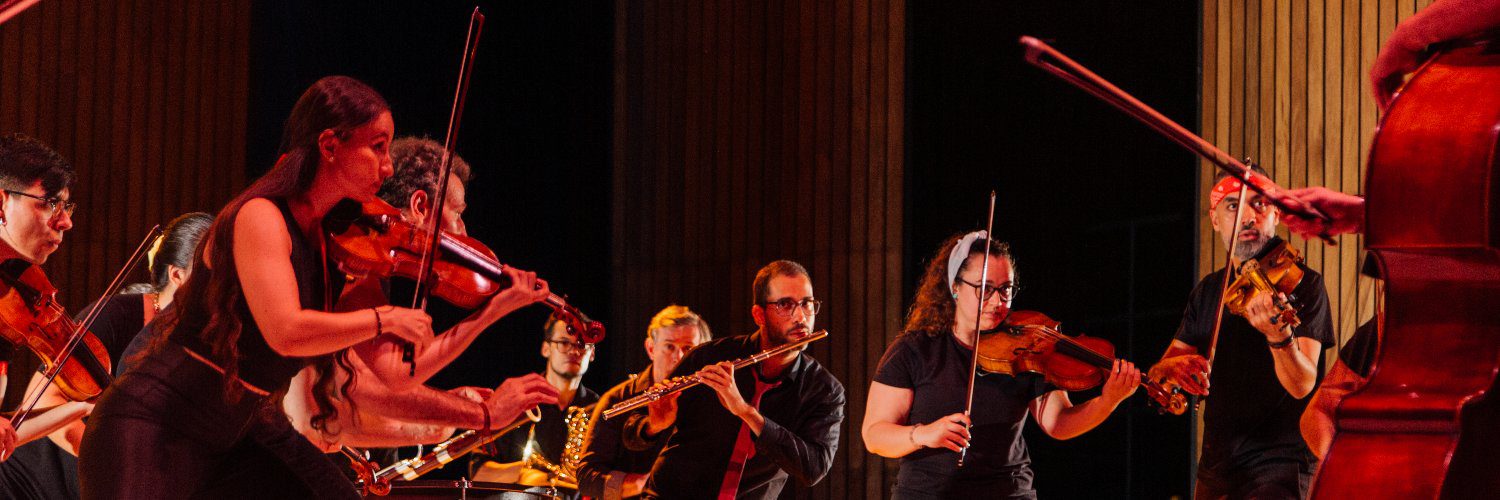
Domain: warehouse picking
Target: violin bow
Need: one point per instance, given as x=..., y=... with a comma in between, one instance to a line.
x=435, y=214
x=984, y=284
x=82, y=328
x=1043, y=56
x=1239, y=214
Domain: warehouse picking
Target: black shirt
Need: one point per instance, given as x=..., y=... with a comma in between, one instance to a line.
x=605, y=450
x=1360, y=351
x=259, y=365
x=936, y=369
x=801, y=433
x=551, y=434
x=1250, y=418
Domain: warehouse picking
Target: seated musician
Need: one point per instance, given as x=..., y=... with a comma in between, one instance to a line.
x=916, y=405
x=608, y=469
x=749, y=430
x=49, y=468
x=393, y=409
x=505, y=459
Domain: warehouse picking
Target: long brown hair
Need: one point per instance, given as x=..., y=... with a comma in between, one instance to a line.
x=932, y=309
x=209, y=300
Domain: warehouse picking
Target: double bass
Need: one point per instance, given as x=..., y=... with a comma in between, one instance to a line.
x=1425, y=423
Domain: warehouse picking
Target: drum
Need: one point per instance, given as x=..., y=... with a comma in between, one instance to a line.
x=468, y=490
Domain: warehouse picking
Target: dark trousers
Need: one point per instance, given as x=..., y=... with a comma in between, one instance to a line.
x=165, y=431
x=1276, y=479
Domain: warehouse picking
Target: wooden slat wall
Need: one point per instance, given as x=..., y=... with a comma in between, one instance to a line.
x=1284, y=82
x=147, y=98
x=747, y=131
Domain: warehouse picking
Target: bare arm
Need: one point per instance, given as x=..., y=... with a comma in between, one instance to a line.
x=383, y=355
x=1443, y=20
x=262, y=248
x=1296, y=364
x=1317, y=421
x=1061, y=419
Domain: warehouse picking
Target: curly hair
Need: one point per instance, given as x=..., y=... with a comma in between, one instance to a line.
x=25, y=160
x=933, y=308
x=416, y=161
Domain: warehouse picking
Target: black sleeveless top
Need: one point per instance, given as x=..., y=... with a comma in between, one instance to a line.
x=259, y=365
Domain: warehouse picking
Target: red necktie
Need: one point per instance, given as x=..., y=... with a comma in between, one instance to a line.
x=744, y=447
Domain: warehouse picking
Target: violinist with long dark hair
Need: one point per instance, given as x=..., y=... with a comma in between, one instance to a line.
x=915, y=409
x=390, y=408
x=184, y=420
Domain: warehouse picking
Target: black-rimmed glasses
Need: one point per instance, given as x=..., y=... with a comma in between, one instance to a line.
x=1006, y=291
x=52, y=202
x=787, y=305
x=567, y=346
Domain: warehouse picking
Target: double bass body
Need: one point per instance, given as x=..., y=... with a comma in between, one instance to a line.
x=1424, y=424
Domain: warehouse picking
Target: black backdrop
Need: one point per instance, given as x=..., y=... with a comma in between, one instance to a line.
x=1099, y=210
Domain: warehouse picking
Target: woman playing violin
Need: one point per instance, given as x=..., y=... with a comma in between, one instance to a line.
x=915, y=409
x=185, y=419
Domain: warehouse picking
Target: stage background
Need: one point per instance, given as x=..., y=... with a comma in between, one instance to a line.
x=642, y=153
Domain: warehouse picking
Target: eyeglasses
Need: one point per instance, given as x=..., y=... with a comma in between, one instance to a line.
x=1006, y=291
x=52, y=202
x=566, y=346
x=786, y=306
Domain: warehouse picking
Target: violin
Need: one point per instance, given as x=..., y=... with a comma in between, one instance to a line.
x=371, y=239
x=1029, y=342
x=30, y=316
x=1275, y=272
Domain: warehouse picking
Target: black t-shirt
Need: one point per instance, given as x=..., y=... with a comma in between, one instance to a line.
x=1250, y=418
x=1360, y=351
x=936, y=369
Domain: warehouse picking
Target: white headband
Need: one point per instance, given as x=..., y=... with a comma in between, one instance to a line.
x=960, y=252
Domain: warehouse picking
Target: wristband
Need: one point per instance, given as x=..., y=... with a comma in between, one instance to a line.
x=1283, y=343
x=378, y=326
x=912, y=436
x=486, y=411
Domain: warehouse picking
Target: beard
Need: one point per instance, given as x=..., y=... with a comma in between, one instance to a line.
x=792, y=333
x=1246, y=250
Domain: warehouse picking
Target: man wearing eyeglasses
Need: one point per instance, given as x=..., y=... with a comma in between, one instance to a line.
x=750, y=429
x=1263, y=369
x=35, y=211
x=567, y=360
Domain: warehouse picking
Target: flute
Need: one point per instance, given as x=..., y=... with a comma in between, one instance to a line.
x=677, y=384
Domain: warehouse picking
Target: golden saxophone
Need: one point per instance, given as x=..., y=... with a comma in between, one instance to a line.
x=677, y=384
x=565, y=472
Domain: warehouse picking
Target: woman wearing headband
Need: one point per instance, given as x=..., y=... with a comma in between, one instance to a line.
x=915, y=409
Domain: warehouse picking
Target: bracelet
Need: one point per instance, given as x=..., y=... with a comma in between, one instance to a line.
x=379, y=329
x=486, y=411
x=1283, y=343
x=912, y=435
